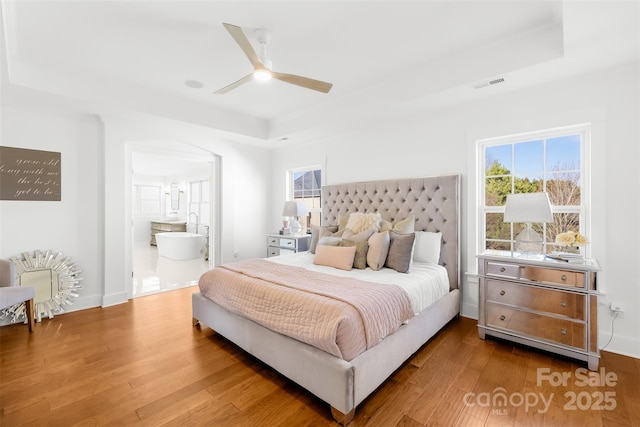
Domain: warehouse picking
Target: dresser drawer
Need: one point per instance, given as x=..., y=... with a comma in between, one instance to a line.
x=503, y=270
x=273, y=251
x=552, y=276
x=161, y=227
x=281, y=242
x=553, y=329
x=533, y=298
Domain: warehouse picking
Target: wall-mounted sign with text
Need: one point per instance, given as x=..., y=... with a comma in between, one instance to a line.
x=29, y=174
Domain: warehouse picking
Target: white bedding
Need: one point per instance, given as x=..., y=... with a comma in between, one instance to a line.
x=425, y=282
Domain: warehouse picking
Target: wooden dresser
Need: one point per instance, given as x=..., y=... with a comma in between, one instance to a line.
x=550, y=305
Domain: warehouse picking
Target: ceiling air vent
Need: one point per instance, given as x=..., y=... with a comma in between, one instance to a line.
x=489, y=83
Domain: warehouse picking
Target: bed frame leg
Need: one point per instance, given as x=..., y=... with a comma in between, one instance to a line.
x=341, y=418
x=195, y=322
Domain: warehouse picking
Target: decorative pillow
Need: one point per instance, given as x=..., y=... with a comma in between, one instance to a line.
x=427, y=247
x=359, y=222
x=400, y=248
x=360, y=259
x=328, y=241
x=315, y=235
x=343, y=219
x=335, y=256
x=385, y=225
x=378, y=249
x=406, y=226
x=363, y=236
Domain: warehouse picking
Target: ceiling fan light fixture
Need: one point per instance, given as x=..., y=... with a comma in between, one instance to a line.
x=262, y=65
x=262, y=74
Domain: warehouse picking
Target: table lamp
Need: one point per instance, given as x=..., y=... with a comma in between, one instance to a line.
x=528, y=208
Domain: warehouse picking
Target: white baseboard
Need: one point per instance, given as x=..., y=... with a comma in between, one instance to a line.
x=114, y=299
x=620, y=344
x=469, y=310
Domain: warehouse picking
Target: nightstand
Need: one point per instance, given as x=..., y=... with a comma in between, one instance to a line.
x=546, y=304
x=287, y=243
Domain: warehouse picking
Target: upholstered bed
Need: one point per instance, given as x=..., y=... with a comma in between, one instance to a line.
x=434, y=203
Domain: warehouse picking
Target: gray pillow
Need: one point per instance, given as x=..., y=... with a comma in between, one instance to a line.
x=400, y=249
x=360, y=260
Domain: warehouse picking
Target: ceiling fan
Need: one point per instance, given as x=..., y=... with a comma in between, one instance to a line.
x=262, y=65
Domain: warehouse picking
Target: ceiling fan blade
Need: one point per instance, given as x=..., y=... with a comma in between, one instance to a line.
x=235, y=84
x=244, y=43
x=306, y=82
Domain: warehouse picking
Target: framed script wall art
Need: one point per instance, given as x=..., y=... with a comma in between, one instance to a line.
x=29, y=174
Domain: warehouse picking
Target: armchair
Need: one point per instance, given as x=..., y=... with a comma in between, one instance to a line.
x=11, y=294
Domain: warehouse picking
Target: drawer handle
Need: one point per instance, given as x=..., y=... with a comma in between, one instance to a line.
x=502, y=317
x=502, y=269
x=563, y=331
x=563, y=277
x=502, y=292
x=563, y=303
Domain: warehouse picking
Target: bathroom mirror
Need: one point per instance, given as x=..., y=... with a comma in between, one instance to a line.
x=175, y=196
x=54, y=278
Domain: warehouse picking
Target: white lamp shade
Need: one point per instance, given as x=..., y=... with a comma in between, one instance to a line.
x=292, y=208
x=528, y=207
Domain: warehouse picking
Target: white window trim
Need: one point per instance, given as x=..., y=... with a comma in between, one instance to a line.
x=289, y=178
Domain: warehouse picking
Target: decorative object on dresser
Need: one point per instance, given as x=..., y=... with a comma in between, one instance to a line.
x=279, y=245
x=571, y=241
x=545, y=304
x=165, y=226
x=528, y=208
x=294, y=210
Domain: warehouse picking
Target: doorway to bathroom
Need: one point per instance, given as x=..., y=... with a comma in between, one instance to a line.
x=173, y=239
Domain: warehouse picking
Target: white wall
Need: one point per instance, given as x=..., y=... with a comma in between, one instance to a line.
x=92, y=223
x=73, y=225
x=442, y=141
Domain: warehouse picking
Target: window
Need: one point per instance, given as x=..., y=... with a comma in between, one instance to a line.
x=147, y=200
x=199, y=200
x=552, y=161
x=305, y=185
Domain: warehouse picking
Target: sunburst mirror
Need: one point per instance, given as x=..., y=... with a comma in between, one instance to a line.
x=56, y=281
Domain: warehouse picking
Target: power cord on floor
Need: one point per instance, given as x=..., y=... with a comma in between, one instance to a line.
x=615, y=316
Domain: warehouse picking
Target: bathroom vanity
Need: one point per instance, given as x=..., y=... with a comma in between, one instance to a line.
x=164, y=227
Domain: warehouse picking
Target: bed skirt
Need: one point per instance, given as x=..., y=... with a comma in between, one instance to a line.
x=342, y=384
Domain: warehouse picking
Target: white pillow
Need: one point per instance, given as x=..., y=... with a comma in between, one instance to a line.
x=427, y=247
x=359, y=222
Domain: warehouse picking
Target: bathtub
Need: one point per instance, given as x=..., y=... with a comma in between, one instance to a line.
x=180, y=245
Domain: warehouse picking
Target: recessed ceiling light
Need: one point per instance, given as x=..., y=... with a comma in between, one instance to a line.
x=194, y=84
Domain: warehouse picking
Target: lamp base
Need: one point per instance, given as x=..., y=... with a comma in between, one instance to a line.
x=295, y=227
x=528, y=241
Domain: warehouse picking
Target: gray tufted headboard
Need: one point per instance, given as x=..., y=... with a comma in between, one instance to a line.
x=435, y=202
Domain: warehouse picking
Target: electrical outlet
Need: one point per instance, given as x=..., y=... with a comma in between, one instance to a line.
x=617, y=308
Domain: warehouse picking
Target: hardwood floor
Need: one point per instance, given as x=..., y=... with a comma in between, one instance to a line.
x=142, y=363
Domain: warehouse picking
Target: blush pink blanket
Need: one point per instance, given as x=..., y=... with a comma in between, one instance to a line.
x=341, y=316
